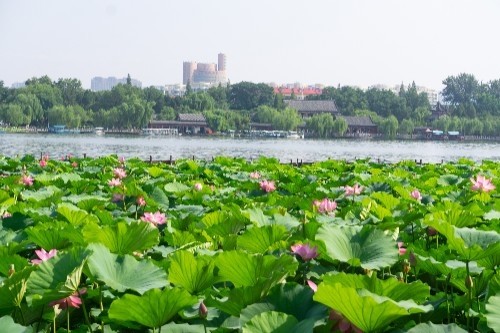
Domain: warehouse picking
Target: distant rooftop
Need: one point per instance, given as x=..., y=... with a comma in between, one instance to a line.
x=196, y=117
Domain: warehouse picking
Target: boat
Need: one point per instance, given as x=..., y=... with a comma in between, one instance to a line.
x=57, y=129
x=99, y=130
x=294, y=135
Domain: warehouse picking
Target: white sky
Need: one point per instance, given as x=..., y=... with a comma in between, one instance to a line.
x=346, y=42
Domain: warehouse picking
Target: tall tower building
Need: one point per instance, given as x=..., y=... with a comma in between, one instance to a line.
x=221, y=62
x=188, y=68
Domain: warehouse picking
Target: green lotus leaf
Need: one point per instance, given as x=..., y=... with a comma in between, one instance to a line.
x=263, y=239
x=432, y=328
x=233, y=301
x=244, y=269
x=123, y=238
x=7, y=324
x=471, y=244
x=385, y=199
x=153, y=309
x=195, y=274
x=365, y=246
x=297, y=300
x=120, y=272
x=366, y=312
x=493, y=313
x=391, y=287
x=75, y=215
x=155, y=171
x=46, y=193
x=69, y=177
x=55, y=235
x=182, y=328
x=286, y=220
x=448, y=180
x=12, y=291
x=257, y=217
x=59, y=276
x=272, y=321
x=160, y=198
x=7, y=260
x=492, y=215
x=176, y=187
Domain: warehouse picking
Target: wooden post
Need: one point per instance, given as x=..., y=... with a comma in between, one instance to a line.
x=170, y=159
x=150, y=159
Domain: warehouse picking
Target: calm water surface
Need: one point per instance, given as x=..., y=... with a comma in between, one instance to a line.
x=308, y=150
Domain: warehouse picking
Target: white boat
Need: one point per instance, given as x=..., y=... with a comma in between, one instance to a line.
x=99, y=130
x=294, y=135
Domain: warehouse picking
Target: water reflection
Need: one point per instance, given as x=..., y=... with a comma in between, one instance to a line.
x=161, y=148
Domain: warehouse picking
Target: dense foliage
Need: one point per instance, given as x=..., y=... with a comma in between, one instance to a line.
x=93, y=245
x=473, y=107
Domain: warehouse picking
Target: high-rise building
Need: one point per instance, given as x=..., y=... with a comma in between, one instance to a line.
x=100, y=83
x=205, y=73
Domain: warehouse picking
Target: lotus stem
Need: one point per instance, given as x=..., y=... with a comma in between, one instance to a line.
x=67, y=318
x=469, y=297
x=86, y=316
x=22, y=315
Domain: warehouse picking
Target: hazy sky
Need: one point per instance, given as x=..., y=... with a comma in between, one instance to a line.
x=346, y=42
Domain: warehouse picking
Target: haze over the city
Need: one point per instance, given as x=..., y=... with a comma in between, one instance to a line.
x=359, y=42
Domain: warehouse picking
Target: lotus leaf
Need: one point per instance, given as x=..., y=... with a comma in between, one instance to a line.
x=153, y=309
x=121, y=272
x=365, y=246
x=123, y=238
x=195, y=274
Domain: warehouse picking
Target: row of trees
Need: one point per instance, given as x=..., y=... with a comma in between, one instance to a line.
x=474, y=107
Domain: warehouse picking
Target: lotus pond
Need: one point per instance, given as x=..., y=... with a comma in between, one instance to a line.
x=108, y=245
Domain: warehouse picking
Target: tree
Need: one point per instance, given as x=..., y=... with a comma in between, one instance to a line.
x=129, y=80
x=390, y=127
x=248, y=95
x=219, y=95
x=320, y=125
x=71, y=91
x=13, y=115
x=339, y=126
x=460, y=89
x=406, y=127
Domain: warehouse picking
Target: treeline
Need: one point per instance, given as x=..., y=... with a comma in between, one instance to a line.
x=473, y=108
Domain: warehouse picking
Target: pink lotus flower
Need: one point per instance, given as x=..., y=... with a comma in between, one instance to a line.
x=401, y=248
x=27, y=180
x=202, y=310
x=115, y=182
x=351, y=191
x=154, y=218
x=43, y=256
x=415, y=194
x=74, y=165
x=325, y=206
x=343, y=324
x=73, y=301
x=254, y=175
x=119, y=173
x=305, y=251
x=121, y=160
x=43, y=163
x=481, y=184
x=117, y=197
x=141, y=202
x=6, y=215
x=267, y=186
x=198, y=187
x=312, y=285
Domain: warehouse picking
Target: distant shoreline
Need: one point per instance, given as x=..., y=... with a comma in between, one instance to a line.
x=135, y=132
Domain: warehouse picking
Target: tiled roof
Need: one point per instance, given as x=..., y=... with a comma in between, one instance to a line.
x=358, y=121
x=197, y=117
x=313, y=106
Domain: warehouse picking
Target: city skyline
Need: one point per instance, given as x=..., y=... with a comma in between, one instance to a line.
x=356, y=43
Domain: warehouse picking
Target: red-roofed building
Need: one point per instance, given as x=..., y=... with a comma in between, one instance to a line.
x=300, y=93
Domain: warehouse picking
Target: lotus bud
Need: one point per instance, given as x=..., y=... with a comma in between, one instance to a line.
x=202, y=310
x=413, y=259
x=431, y=231
x=406, y=266
x=468, y=282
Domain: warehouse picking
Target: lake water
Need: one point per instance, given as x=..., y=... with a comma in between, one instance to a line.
x=307, y=150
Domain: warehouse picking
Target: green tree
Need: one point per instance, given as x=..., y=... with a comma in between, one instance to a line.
x=129, y=80
x=320, y=125
x=460, y=89
x=219, y=95
x=248, y=95
x=339, y=126
x=406, y=127
x=71, y=91
x=390, y=127
x=12, y=114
